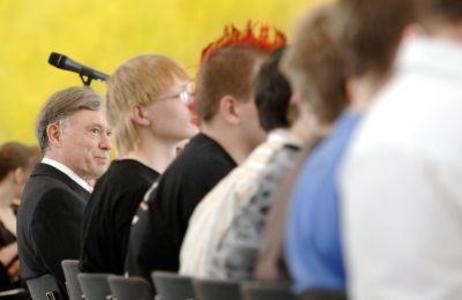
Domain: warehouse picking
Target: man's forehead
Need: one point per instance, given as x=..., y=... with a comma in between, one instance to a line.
x=86, y=117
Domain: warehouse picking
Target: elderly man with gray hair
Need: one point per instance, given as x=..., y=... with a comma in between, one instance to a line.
x=74, y=137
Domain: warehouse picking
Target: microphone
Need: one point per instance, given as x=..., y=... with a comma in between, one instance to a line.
x=87, y=74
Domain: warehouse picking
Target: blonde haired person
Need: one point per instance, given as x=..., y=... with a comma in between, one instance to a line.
x=148, y=108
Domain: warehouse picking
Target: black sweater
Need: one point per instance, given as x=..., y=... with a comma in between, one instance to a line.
x=160, y=223
x=109, y=213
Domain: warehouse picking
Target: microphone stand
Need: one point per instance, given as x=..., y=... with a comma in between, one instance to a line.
x=86, y=77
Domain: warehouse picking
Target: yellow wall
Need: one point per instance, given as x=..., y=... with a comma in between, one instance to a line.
x=103, y=34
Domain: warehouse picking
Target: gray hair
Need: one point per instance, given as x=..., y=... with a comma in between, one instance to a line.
x=61, y=105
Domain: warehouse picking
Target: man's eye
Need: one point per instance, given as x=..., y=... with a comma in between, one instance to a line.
x=95, y=130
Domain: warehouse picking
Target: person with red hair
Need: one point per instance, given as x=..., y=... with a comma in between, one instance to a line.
x=229, y=131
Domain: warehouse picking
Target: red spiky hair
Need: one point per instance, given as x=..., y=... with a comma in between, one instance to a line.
x=246, y=38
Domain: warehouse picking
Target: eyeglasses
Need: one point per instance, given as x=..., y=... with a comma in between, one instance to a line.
x=185, y=95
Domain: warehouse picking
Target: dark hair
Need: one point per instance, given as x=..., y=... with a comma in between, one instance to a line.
x=230, y=71
x=61, y=105
x=15, y=155
x=272, y=94
x=372, y=32
x=436, y=11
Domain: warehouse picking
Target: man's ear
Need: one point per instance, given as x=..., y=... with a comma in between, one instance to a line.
x=54, y=134
x=138, y=116
x=228, y=109
x=19, y=176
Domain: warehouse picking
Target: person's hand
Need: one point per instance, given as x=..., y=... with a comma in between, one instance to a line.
x=8, y=253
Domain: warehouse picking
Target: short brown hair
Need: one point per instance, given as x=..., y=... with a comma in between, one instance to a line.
x=433, y=12
x=230, y=71
x=139, y=81
x=61, y=105
x=314, y=63
x=372, y=32
x=15, y=155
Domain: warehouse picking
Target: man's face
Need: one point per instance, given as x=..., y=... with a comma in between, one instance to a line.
x=85, y=143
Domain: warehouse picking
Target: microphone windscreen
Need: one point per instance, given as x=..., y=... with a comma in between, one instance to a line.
x=56, y=59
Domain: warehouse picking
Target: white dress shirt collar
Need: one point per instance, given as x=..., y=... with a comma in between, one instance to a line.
x=282, y=136
x=426, y=54
x=68, y=172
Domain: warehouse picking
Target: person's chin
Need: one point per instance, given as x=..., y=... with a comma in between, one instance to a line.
x=99, y=171
x=102, y=164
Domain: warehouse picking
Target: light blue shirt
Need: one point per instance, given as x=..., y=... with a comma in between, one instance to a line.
x=313, y=246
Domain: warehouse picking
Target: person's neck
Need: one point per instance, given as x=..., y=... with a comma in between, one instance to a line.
x=7, y=192
x=362, y=90
x=228, y=140
x=450, y=32
x=307, y=128
x=58, y=157
x=154, y=153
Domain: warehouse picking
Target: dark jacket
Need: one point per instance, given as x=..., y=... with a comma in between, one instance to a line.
x=48, y=223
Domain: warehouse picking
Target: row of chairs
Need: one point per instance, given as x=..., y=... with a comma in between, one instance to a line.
x=169, y=286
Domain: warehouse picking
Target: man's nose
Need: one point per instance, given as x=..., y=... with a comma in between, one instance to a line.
x=105, y=142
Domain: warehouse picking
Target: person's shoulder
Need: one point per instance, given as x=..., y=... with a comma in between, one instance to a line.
x=197, y=167
x=202, y=154
x=37, y=187
x=57, y=203
x=45, y=177
x=58, y=196
x=126, y=176
x=195, y=171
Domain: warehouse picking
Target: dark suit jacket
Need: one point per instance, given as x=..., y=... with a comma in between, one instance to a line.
x=48, y=223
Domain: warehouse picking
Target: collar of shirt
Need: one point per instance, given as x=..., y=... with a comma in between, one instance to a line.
x=68, y=172
x=430, y=55
x=282, y=136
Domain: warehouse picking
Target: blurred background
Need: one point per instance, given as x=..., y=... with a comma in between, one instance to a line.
x=103, y=34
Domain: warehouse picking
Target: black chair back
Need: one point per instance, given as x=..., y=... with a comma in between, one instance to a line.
x=71, y=270
x=15, y=294
x=206, y=289
x=95, y=286
x=44, y=287
x=255, y=290
x=171, y=286
x=324, y=295
x=131, y=288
